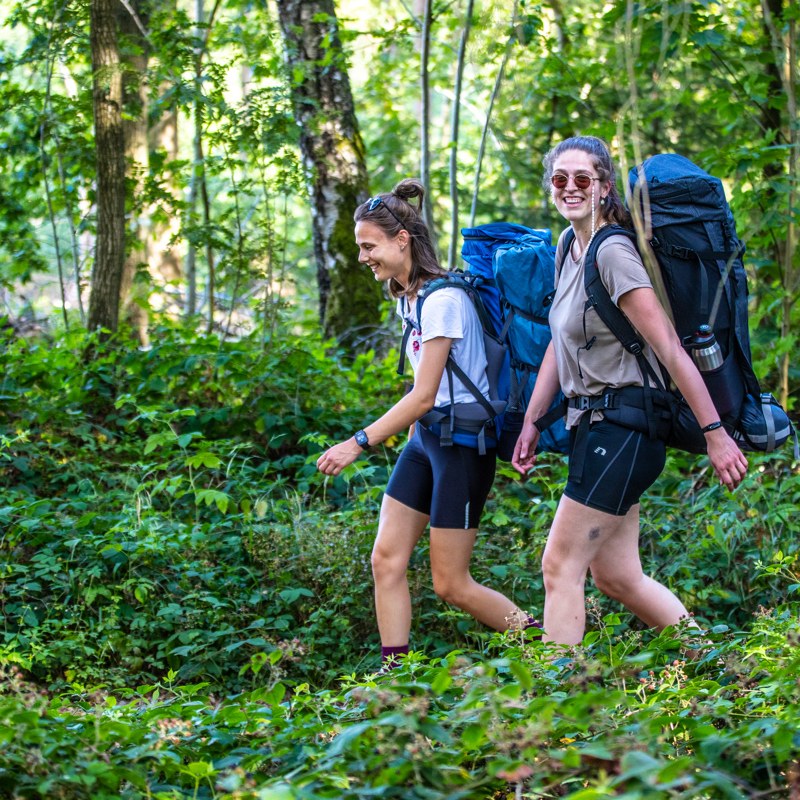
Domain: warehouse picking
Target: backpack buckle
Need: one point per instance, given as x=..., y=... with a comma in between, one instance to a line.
x=654, y=243
x=635, y=348
x=611, y=401
x=684, y=253
x=584, y=402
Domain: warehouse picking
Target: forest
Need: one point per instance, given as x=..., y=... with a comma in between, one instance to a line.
x=187, y=602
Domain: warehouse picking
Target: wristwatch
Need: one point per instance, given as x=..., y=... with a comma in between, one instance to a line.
x=361, y=439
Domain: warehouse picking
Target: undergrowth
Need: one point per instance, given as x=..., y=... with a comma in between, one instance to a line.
x=181, y=593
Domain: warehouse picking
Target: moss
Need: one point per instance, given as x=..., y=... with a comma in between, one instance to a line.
x=355, y=297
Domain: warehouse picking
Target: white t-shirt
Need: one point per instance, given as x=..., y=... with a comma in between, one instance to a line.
x=450, y=313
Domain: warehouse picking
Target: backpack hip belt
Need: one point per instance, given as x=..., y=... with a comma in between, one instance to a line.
x=628, y=407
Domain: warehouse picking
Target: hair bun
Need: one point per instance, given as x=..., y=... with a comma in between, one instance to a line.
x=409, y=188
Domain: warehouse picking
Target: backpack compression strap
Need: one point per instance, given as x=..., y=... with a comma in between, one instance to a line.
x=686, y=254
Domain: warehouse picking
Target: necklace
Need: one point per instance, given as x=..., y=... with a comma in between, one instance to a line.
x=585, y=249
x=594, y=233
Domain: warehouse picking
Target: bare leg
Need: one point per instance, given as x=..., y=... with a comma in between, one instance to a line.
x=577, y=535
x=451, y=550
x=582, y=537
x=399, y=530
x=617, y=573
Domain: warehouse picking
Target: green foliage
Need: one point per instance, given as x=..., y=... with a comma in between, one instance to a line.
x=617, y=714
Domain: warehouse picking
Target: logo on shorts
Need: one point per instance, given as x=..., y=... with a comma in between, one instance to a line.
x=600, y=450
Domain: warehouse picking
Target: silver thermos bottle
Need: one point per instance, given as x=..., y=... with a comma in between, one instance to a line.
x=705, y=349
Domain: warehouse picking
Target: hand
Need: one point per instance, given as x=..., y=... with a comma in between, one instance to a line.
x=525, y=451
x=333, y=461
x=728, y=461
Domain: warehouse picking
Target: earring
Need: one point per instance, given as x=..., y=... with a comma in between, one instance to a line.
x=402, y=247
x=602, y=201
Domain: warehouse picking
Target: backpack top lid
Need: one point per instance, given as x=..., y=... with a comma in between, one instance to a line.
x=481, y=242
x=525, y=273
x=503, y=231
x=680, y=192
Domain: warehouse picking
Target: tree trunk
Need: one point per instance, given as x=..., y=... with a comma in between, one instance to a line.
x=110, y=159
x=164, y=259
x=462, y=53
x=485, y=132
x=785, y=58
x=425, y=118
x=334, y=157
x=134, y=56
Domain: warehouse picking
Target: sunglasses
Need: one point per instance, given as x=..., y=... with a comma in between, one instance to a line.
x=581, y=181
x=374, y=202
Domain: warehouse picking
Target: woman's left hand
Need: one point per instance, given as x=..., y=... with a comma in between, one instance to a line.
x=333, y=461
x=728, y=461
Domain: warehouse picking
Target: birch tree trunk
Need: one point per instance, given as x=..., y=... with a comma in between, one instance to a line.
x=110, y=159
x=134, y=55
x=335, y=162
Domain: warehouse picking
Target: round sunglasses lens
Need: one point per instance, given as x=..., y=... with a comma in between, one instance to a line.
x=559, y=181
x=583, y=181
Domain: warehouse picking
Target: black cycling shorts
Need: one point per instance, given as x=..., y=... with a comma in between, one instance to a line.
x=450, y=484
x=621, y=465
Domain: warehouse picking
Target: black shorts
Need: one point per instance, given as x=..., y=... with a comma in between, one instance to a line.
x=450, y=484
x=621, y=465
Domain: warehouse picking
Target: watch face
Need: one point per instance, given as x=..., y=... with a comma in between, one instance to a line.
x=361, y=439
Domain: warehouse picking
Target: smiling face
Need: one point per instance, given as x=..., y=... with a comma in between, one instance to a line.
x=387, y=257
x=572, y=202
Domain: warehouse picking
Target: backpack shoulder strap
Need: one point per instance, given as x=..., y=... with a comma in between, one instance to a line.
x=599, y=297
x=615, y=320
x=569, y=238
x=427, y=288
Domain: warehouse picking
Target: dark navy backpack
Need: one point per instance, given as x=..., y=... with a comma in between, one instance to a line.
x=700, y=259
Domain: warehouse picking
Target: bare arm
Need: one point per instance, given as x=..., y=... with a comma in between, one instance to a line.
x=642, y=308
x=544, y=391
x=402, y=414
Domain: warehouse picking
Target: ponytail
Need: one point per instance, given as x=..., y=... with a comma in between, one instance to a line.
x=394, y=208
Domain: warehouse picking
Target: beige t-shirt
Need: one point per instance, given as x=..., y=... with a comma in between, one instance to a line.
x=605, y=364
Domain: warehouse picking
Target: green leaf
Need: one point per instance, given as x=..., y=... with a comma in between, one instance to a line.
x=474, y=736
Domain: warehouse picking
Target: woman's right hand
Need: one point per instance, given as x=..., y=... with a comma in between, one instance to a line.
x=524, y=456
x=728, y=461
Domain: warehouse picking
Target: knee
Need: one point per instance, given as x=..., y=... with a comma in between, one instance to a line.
x=617, y=587
x=387, y=567
x=554, y=572
x=447, y=588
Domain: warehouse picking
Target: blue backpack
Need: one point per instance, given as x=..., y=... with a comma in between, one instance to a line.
x=510, y=283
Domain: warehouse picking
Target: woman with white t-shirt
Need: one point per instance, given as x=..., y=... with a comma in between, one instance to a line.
x=444, y=486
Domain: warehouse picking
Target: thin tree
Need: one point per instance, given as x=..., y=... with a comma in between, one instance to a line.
x=425, y=121
x=485, y=132
x=135, y=56
x=786, y=59
x=462, y=52
x=110, y=162
x=335, y=162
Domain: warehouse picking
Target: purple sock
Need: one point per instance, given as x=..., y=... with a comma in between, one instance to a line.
x=388, y=655
x=532, y=623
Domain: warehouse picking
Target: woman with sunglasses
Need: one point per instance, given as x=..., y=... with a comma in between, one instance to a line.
x=596, y=525
x=444, y=486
